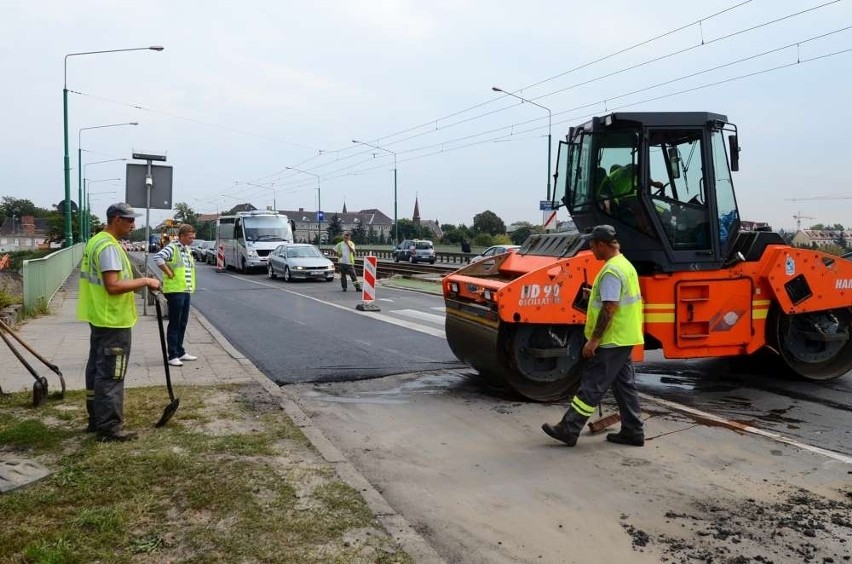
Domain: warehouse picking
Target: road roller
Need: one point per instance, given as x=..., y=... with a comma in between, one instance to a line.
x=709, y=288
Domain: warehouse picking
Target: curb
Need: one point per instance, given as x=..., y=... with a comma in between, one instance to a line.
x=393, y=523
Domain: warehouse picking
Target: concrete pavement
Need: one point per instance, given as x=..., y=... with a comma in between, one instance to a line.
x=63, y=340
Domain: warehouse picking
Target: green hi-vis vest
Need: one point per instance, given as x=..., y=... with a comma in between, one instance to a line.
x=95, y=305
x=626, y=326
x=178, y=283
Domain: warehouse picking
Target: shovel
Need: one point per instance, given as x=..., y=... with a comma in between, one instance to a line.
x=40, y=384
x=174, y=402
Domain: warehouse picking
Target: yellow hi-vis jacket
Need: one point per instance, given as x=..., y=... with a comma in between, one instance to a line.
x=626, y=326
x=95, y=305
x=178, y=282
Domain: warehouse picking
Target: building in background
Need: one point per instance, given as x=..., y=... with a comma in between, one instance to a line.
x=25, y=233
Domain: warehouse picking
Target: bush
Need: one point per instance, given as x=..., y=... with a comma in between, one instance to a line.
x=17, y=258
x=7, y=299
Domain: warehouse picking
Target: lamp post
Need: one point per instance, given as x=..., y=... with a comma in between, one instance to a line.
x=87, y=224
x=395, y=222
x=549, y=128
x=90, y=194
x=274, y=192
x=319, y=200
x=67, y=164
x=80, y=171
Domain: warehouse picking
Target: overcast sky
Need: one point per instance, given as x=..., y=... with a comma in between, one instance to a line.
x=245, y=89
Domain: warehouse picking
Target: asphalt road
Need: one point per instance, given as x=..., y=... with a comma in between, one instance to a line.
x=311, y=331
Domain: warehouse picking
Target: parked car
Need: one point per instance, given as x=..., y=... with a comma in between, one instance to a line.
x=299, y=261
x=207, y=252
x=198, y=250
x=415, y=250
x=495, y=250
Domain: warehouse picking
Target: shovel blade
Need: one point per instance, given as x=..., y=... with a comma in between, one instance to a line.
x=168, y=412
x=39, y=391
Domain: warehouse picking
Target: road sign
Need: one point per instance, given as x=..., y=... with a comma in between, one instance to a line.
x=549, y=219
x=545, y=205
x=320, y=216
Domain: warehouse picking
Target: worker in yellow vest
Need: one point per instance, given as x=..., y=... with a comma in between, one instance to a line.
x=176, y=262
x=107, y=303
x=345, y=251
x=613, y=328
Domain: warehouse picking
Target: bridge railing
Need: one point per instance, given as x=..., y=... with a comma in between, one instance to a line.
x=384, y=253
x=42, y=277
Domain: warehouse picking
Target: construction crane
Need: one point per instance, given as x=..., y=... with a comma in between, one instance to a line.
x=799, y=217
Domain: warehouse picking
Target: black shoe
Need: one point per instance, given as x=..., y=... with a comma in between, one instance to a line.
x=91, y=428
x=623, y=439
x=344, y=289
x=559, y=433
x=115, y=436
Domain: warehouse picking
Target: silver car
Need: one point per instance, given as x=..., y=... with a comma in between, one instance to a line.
x=491, y=252
x=297, y=261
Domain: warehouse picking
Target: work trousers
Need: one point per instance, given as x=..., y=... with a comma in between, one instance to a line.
x=109, y=352
x=178, y=318
x=347, y=269
x=613, y=367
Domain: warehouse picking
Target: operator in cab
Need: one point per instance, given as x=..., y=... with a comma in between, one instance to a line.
x=613, y=328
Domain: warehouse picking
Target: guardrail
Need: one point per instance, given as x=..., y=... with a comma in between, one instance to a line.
x=43, y=277
x=443, y=257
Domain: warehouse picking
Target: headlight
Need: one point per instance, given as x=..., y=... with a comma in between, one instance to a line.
x=251, y=253
x=300, y=268
x=454, y=287
x=487, y=295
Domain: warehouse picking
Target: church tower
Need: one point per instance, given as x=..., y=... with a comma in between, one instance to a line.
x=416, y=217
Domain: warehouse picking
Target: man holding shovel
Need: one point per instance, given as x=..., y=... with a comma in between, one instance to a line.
x=107, y=303
x=613, y=328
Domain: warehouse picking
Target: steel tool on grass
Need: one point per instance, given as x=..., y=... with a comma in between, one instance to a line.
x=174, y=402
x=40, y=384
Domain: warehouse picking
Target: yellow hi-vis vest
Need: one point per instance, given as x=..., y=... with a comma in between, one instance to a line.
x=178, y=283
x=626, y=326
x=95, y=305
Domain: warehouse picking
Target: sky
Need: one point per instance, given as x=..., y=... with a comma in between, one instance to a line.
x=244, y=90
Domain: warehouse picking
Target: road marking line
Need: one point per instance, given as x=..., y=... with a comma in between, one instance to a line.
x=733, y=425
x=421, y=315
x=351, y=309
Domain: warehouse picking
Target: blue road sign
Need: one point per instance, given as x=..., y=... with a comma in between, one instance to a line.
x=545, y=205
x=320, y=216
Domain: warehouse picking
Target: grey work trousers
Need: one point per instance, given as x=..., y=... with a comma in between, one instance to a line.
x=613, y=367
x=350, y=270
x=109, y=352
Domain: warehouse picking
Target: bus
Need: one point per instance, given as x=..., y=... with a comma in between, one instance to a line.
x=249, y=237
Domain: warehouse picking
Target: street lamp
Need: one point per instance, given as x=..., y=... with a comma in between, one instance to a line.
x=549, y=128
x=90, y=194
x=67, y=164
x=319, y=199
x=79, y=165
x=274, y=192
x=395, y=222
x=87, y=224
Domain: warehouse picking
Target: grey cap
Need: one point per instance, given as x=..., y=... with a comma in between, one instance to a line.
x=605, y=233
x=122, y=209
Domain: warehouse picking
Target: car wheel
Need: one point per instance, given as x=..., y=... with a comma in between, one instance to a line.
x=396, y=258
x=287, y=277
x=412, y=259
x=330, y=279
x=272, y=272
x=432, y=261
x=243, y=264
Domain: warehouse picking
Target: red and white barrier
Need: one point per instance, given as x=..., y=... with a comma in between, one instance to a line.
x=368, y=292
x=220, y=257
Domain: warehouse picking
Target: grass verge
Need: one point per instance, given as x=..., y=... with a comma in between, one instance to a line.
x=229, y=479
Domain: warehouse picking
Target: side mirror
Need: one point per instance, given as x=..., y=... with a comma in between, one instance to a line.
x=734, y=149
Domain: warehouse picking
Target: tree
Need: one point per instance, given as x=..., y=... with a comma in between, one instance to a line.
x=488, y=222
x=334, y=229
x=359, y=234
x=185, y=214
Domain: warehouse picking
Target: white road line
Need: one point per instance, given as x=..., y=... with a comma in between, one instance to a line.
x=747, y=428
x=351, y=309
x=421, y=315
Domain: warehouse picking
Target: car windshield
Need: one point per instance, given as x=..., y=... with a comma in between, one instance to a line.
x=423, y=245
x=304, y=252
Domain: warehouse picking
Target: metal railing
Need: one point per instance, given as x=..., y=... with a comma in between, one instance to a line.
x=43, y=277
x=384, y=253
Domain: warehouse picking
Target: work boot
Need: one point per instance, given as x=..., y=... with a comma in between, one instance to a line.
x=568, y=429
x=357, y=287
x=116, y=436
x=623, y=438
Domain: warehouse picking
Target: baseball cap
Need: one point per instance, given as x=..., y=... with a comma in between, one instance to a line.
x=605, y=233
x=122, y=209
